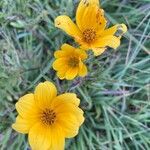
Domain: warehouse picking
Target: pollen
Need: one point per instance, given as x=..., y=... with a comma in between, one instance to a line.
x=89, y=35
x=48, y=117
x=73, y=62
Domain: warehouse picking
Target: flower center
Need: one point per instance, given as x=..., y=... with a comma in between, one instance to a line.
x=48, y=117
x=89, y=35
x=73, y=62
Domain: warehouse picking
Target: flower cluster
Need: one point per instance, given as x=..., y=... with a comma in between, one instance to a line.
x=49, y=118
x=90, y=32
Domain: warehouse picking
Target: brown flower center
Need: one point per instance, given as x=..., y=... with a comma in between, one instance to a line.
x=73, y=62
x=89, y=35
x=48, y=117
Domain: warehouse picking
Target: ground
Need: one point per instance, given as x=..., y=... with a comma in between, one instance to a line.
x=115, y=95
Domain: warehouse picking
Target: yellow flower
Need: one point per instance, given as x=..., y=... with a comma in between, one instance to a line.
x=69, y=62
x=90, y=31
x=47, y=118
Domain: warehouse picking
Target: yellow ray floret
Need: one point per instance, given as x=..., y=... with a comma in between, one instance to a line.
x=90, y=29
x=69, y=62
x=47, y=118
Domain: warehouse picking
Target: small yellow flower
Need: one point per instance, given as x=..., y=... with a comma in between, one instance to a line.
x=90, y=31
x=69, y=62
x=47, y=118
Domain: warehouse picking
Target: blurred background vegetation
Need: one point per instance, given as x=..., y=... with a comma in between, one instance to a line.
x=116, y=93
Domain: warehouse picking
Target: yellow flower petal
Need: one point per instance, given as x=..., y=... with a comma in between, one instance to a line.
x=40, y=137
x=23, y=125
x=71, y=109
x=60, y=63
x=89, y=16
x=65, y=23
x=70, y=125
x=66, y=50
x=81, y=53
x=26, y=106
x=74, y=119
x=58, y=138
x=82, y=8
x=66, y=98
x=66, y=106
x=109, y=40
x=44, y=94
x=98, y=51
x=59, y=54
x=121, y=28
x=71, y=73
x=61, y=75
x=82, y=69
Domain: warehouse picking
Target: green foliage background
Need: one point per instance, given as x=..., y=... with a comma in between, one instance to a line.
x=116, y=93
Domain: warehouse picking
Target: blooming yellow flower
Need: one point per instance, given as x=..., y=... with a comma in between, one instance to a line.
x=90, y=31
x=47, y=118
x=69, y=62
